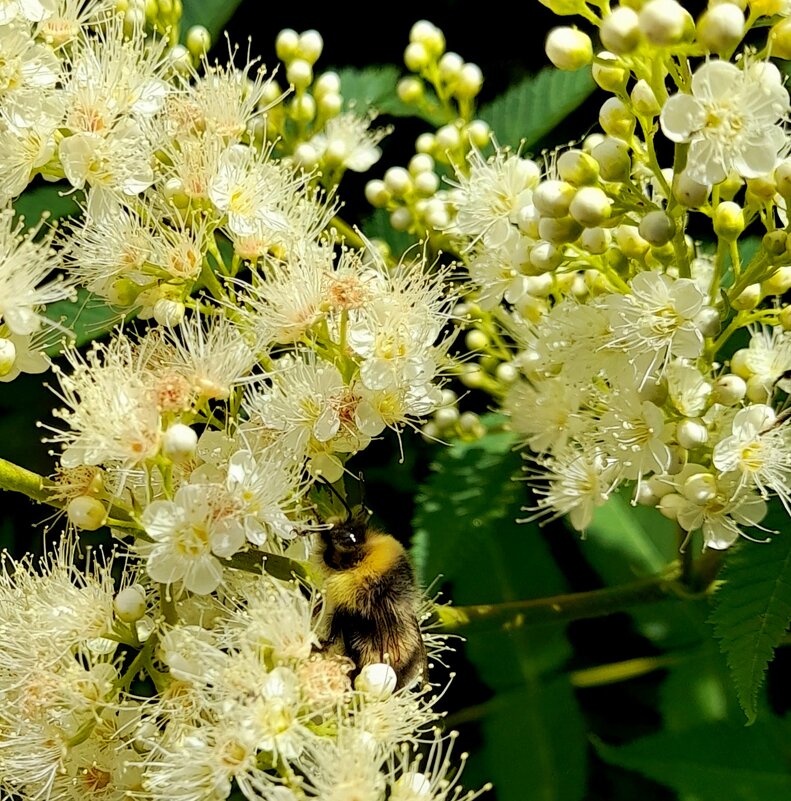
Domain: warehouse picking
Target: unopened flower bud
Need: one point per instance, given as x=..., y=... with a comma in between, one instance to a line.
x=420, y=162
x=780, y=39
x=169, y=312
x=782, y=176
x=630, y=243
x=620, y=31
x=740, y=362
x=577, y=168
x=436, y=214
x=198, y=41
x=377, y=680
x=775, y=243
x=609, y=72
x=596, y=240
x=671, y=504
x=376, y=193
x=784, y=318
x=612, y=156
x=779, y=282
x=7, y=356
x=760, y=389
x=397, y=181
x=446, y=417
x=728, y=221
x=616, y=119
x=310, y=45
x=299, y=73
x=689, y=192
x=448, y=137
x=665, y=22
x=130, y=604
x=86, y=513
x=305, y=155
x=180, y=60
x=479, y=133
x=469, y=81
x=449, y=66
x=179, y=442
x=657, y=228
x=700, y=487
x=410, y=90
x=429, y=35
x=590, y=206
x=552, y=198
x=545, y=257
x=568, y=48
x=748, y=298
x=401, y=219
x=416, y=57
x=303, y=108
x=644, y=100
x=286, y=44
x=476, y=340
x=691, y=433
x=728, y=389
x=426, y=183
x=559, y=230
x=760, y=191
x=721, y=27
x=327, y=83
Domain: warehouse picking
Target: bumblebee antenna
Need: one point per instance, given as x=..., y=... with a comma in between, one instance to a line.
x=340, y=497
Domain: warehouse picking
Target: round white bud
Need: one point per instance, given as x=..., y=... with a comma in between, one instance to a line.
x=447, y=397
x=721, y=27
x=545, y=256
x=330, y=105
x=376, y=193
x=429, y=35
x=553, y=198
x=327, y=83
x=476, y=340
x=430, y=431
x=286, y=44
x=782, y=176
x=616, y=119
x=179, y=442
x=559, y=230
x=620, y=31
x=446, y=417
x=130, y=604
x=577, y=168
x=596, y=240
x=691, y=433
x=426, y=183
x=420, y=162
x=657, y=228
x=568, y=48
x=413, y=785
x=609, y=72
x=410, y=89
x=748, y=298
x=612, y=156
x=180, y=59
x=644, y=100
x=416, y=57
x=198, y=41
x=728, y=389
x=629, y=241
x=299, y=73
x=688, y=192
x=447, y=138
x=700, y=487
x=425, y=143
x=527, y=219
x=728, y=220
x=303, y=107
x=469, y=422
x=398, y=181
x=450, y=66
x=479, y=133
x=436, y=214
x=664, y=22
x=707, y=321
x=86, y=512
x=310, y=45
x=590, y=206
x=169, y=312
x=540, y=286
x=784, y=318
x=670, y=505
x=740, y=363
x=759, y=389
x=7, y=356
x=306, y=156
x=506, y=373
x=377, y=680
x=401, y=219
x=469, y=81
x=779, y=282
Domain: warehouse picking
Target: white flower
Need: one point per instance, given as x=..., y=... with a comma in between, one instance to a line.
x=688, y=388
x=348, y=142
x=768, y=355
x=758, y=451
x=730, y=120
x=188, y=537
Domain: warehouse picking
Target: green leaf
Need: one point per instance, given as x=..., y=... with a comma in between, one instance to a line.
x=752, y=612
x=212, y=14
x=375, y=87
x=527, y=112
x=465, y=529
x=33, y=203
x=715, y=762
x=87, y=317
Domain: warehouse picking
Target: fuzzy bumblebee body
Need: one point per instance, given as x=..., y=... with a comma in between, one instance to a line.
x=372, y=599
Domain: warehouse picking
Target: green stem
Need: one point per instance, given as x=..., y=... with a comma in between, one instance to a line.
x=17, y=479
x=347, y=232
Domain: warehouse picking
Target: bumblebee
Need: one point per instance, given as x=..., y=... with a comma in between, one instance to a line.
x=372, y=598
